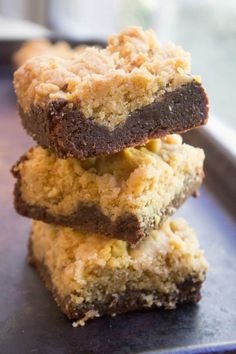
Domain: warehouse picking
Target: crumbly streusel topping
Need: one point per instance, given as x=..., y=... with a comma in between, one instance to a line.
x=106, y=84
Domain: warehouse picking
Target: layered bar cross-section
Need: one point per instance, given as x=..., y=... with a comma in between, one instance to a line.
x=104, y=100
x=123, y=196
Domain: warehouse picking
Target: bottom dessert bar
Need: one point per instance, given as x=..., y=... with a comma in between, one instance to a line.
x=90, y=275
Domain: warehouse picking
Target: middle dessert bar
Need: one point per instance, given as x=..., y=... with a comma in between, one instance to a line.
x=124, y=195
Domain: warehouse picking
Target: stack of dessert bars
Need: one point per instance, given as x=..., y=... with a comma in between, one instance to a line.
x=108, y=173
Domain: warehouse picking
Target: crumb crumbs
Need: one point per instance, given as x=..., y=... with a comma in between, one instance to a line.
x=89, y=315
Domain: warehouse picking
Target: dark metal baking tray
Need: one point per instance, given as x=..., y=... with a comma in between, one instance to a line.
x=30, y=322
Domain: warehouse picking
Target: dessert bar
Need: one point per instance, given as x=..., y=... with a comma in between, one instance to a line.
x=104, y=100
x=90, y=275
x=123, y=196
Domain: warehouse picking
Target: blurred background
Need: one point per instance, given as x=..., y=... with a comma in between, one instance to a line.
x=206, y=28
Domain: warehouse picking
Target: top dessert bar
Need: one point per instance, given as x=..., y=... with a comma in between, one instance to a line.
x=104, y=100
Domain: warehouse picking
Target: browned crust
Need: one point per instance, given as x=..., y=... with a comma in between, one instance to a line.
x=90, y=218
x=68, y=133
x=127, y=301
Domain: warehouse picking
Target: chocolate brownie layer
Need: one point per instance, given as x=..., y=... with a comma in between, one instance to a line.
x=68, y=133
x=92, y=276
x=90, y=218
